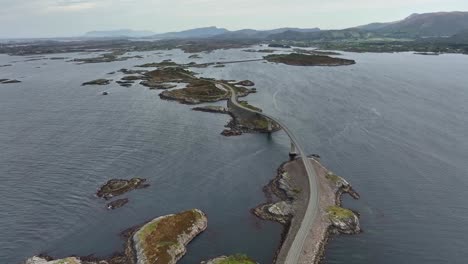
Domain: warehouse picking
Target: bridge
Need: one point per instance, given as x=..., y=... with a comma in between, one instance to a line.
x=297, y=245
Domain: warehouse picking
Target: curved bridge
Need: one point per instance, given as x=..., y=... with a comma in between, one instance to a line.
x=296, y=248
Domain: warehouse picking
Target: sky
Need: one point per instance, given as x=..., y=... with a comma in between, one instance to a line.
x=67, y=18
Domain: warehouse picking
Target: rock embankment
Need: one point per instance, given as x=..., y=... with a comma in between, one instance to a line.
x=162, y=240
x=43, y=260
x=288, y=196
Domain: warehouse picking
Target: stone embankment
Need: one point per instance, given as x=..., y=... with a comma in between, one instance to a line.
x=287, y=197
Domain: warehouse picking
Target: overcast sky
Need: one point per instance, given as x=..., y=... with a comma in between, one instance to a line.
x=51, y=18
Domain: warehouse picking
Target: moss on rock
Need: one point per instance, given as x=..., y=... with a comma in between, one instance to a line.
x=163, y=240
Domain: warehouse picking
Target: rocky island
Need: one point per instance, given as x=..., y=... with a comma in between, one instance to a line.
x=116, y=187
x=160, y=241
x=298, y=59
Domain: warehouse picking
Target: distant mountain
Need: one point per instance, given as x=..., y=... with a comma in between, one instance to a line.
x=118, y=33
x=441, y=24
x=205, y=32
x=261, y=34
x=323, y=35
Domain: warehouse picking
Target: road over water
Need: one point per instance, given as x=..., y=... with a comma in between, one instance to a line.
x=297, y=246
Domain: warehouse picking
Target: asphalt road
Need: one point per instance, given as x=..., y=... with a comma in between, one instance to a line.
x=297, y=245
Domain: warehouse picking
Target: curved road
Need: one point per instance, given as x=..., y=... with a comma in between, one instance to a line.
x=297, y=245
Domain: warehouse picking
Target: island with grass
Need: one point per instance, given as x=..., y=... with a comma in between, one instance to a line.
x=301, y=59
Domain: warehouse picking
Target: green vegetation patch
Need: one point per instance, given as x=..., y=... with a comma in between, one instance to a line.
x=197, y=90
x=67, y=261
x=170, y=74
x=339, y=213
x=247, y=105
x=237, y=259
x=333, y=177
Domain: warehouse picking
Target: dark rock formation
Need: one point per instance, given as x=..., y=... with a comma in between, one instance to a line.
x=117, y=203
x=7, y=81
x=116, y=187
x=97, y=82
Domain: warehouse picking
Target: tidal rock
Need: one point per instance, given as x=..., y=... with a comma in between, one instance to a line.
x=245, y=83
x=116, y=187
x=343, y=220
x=97, y=82
x=132, y=78
x=231, y=133
x=164, y=239
x=117, y=204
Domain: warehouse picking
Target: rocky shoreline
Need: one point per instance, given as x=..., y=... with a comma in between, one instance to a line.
x=287, y=195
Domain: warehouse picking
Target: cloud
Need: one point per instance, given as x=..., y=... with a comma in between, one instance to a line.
x=71, y=5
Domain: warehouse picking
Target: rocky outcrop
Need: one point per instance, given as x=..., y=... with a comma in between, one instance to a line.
x=163, y=240
x=343, y=220
x=41, y=260
x=117, y=203
x=245, y=83
x=231, y=133
x=211, y=109
x=282, y=188
x=127, y=71
x=280, y=212
x=132, y=78
x=116, y=187
x=97, y=82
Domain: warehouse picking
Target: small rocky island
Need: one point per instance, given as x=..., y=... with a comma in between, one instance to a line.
x=301, y=59
x=116, y=187
x=162, y=240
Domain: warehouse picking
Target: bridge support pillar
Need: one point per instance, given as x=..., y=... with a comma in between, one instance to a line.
x=293, y=151
x=270, y=126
